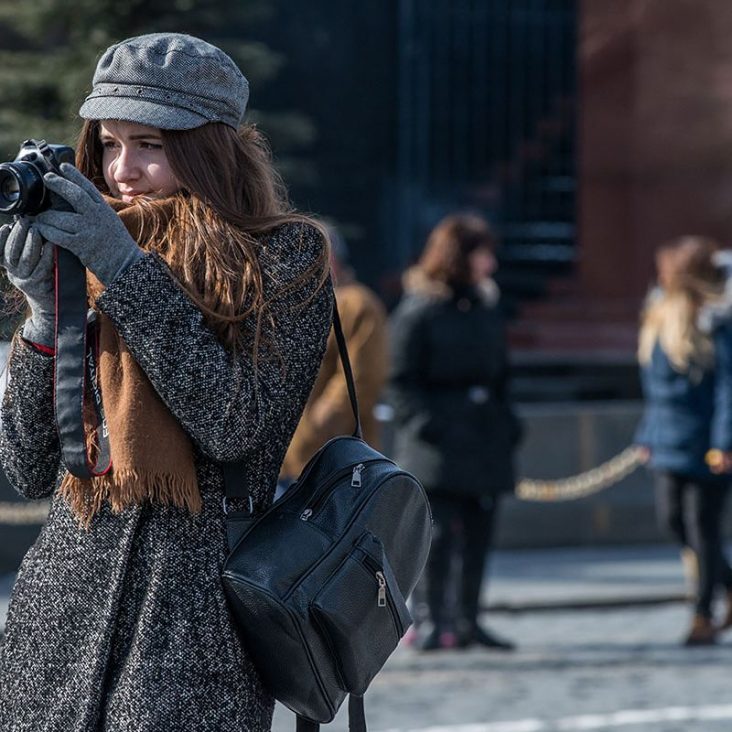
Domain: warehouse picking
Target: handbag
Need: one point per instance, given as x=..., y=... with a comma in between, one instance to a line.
x=317, y=583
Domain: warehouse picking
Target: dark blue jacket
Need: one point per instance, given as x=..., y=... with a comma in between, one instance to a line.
x=685, y=417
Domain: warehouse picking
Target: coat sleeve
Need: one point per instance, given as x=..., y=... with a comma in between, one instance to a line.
x=230, y=407
x=408, y=387
x=29, y=447
x=721, y=432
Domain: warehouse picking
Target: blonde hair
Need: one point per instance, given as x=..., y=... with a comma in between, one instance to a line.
x=688, y=280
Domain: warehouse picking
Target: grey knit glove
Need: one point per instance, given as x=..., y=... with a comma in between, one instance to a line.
x=28, y=261
x=92, y=231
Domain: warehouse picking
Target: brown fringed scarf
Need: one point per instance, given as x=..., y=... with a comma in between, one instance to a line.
x=152, y=457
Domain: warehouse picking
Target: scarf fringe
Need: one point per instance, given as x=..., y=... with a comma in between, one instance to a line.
x=143, y=473
x=125, y=488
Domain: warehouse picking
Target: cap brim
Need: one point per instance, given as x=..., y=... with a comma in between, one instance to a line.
x=141, y=111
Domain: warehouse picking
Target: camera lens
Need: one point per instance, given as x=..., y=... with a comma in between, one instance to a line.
x=21, y=188
x=9, y=188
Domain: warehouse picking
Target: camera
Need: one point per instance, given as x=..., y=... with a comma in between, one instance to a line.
x=22, y=190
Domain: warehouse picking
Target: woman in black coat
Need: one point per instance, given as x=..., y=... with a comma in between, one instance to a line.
x=455, y=428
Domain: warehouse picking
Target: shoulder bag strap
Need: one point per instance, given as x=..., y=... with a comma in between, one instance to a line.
x=346, y=361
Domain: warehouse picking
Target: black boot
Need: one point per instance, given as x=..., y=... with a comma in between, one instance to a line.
x=438, y=571
x=430, y=641
x=488, y=639
x=472, y=634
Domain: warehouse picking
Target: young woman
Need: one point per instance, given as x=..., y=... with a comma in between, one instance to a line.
x=456, y=430
x=214, y=306
x=685, y=352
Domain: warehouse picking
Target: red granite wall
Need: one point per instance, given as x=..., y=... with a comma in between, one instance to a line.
x=655, y=134
x=655, y=162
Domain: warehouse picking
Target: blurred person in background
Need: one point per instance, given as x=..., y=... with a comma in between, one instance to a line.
x=455, y=428
x=328, y=412
x=685, y=353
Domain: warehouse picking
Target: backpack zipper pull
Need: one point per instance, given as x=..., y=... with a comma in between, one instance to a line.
x=381, y=601
x=356, y=477
x=306, y=514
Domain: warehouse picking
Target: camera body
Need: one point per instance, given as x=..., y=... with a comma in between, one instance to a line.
x=22, y=190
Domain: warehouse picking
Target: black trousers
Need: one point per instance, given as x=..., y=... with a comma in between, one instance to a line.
x=692, y=510
x=463, y=528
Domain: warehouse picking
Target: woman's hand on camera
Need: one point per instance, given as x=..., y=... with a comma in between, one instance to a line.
x=28, y=260
x=92, y=231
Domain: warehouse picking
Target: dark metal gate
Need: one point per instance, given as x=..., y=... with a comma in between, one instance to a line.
x=487, y=99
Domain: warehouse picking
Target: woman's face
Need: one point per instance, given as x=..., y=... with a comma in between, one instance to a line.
x=482, y=263
x=134, y=161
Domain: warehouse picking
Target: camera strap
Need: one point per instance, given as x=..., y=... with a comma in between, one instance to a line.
x=77, y=344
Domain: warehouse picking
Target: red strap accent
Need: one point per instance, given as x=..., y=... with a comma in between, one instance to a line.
x=48, y=350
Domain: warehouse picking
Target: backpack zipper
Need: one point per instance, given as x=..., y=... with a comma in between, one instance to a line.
x=324, y=493
x=383, y=598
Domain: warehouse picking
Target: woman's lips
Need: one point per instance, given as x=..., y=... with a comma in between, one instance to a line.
x=129, y=197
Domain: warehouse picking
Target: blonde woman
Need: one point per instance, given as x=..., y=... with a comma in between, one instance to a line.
x=685, y=353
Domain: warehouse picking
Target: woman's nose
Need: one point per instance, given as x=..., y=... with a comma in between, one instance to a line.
x=125, y=166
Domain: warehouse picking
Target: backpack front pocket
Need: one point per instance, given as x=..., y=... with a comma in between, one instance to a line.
x=361, y=613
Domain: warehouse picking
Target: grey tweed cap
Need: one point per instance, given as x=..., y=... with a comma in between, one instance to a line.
x=167, y=80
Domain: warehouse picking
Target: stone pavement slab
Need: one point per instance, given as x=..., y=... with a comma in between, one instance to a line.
x=580, y=576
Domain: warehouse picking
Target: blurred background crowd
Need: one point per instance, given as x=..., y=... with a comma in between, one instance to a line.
x=498, y=176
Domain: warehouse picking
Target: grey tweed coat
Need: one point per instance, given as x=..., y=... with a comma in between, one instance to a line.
x=125, y=626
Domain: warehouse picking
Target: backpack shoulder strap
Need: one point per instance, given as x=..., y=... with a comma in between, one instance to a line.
x=356, y=714
x=356, y=718
x=346, y=361
x=305, y=725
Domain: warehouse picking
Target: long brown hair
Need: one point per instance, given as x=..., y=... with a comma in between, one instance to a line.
x=688, y=279
x=230, y=194
x=446, y=256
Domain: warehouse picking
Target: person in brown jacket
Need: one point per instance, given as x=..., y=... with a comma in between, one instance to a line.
x=328, y=412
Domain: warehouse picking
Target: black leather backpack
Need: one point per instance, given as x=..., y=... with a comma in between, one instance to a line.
x=318, y=582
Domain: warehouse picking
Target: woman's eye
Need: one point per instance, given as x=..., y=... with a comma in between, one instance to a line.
x=108, y=144
x=151, y=146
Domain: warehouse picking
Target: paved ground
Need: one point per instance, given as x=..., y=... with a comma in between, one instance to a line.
x=614, y=665
x=549, y=578
x=574, y=670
